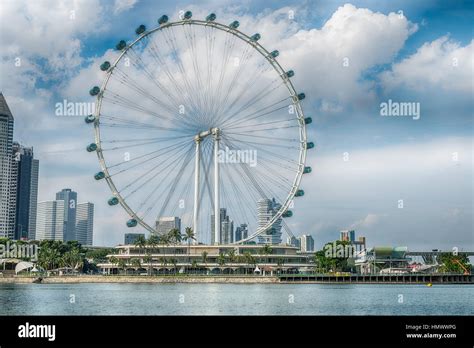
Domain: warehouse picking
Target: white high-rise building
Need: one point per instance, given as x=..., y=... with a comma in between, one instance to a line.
x=7, y=197
x=50, y=220
x=167, y=223
x=266, y=210
x=307, y=242
x=85, y=223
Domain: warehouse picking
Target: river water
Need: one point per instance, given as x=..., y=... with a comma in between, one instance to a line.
x=235, y=299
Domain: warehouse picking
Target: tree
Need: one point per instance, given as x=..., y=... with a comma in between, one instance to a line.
x=122, y=263
x=148, y=259
x=188, y=237
x=266, y=250
x=152, y=241
x=249, y=259
x=204, y=257
x=231, y=255
x=136, y=263
x=72, y=259
x=221, y=259
x=452, y=263
x=140, y=243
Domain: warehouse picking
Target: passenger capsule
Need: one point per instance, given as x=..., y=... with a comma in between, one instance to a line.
x=188, y=15
x=91, y=147
x=211, y=17
x=94, y=90
x=255, y=37
x=99, y=175
x=163, y=20
x=307, y=170
x=89, y=118
x=234, y=24
x=301, y=96
x=275, y=54
x=299, y=193
x=131, y=223
x=140, y=30
x=113, y=201
x=308, y=120
x=309, y=145
x=290, y=73
x=121, y=45
x=105, y=66
x=287, y=213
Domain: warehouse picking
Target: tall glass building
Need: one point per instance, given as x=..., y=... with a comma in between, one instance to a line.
x=167, y=223
x=25, y=169
x=85, y=223
x=266, y=210
x=50, y=222
x=70, y=205
x=7, y=197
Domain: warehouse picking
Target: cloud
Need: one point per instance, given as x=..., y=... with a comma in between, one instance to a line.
x=441, y=64
x=123, y=5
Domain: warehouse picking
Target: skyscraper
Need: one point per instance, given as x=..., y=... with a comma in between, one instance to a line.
x=85, y=223
x=266, y=210
x=293, y=241
x=226, y=231
x=25, y=174
x=167, y=223
x=241, y=232
x=307, y=242
x=348, y=235
x=130, y=238
x=70, y=202
x=50, y=221
x=7, y=198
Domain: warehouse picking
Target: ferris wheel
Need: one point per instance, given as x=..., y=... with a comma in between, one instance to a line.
x=194, y=119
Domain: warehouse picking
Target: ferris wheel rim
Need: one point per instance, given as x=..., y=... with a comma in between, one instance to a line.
x=276, y=66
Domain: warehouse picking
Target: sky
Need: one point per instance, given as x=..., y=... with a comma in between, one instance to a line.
x=349, y=57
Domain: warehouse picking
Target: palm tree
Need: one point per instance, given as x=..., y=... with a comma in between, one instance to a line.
x=136, y=263
x=249, y=259
x=122, y=263
x=266, y=250
x=204, y=259
x=140, y=242
x=113, y=260
x=175, y=237
x=231, y=255
x=148, y=259
x=188, y=237
x=152, y=241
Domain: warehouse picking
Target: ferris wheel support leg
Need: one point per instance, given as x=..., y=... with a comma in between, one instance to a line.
x=217, y=223
x=196, y=189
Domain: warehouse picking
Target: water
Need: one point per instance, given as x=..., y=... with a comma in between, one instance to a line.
x=235, y=299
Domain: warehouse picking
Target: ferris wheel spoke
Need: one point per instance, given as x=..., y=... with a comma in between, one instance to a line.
x=259, y=113
x=245, y=89
x=168, y=162
x=161, y=151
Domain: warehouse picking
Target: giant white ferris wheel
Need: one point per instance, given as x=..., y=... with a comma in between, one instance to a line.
x=193, y=117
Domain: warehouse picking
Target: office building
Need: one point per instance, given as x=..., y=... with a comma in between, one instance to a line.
x=131, y=238
x=50, y=220
x=293, y=241
x=70, y=205
x=306, y=243
x=241, y=232
x=226, y=231
x=348, y=235
x=266, y=210
x=7, y=197
x=167, y=223
x=85, y=223
x=25, y=176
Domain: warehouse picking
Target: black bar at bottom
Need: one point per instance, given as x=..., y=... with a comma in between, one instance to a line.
x=238, y=330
